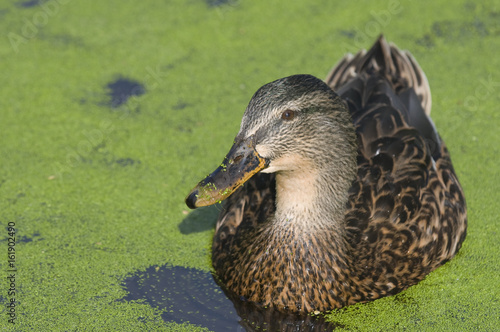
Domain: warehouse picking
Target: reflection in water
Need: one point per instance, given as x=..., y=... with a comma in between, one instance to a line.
x=191, y=295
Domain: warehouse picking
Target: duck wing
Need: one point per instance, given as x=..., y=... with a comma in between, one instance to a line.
x=406, y=214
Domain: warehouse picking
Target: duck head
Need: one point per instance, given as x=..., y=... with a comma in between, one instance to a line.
x=291, y=123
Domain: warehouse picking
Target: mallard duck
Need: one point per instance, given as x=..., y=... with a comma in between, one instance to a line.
x=334, y=198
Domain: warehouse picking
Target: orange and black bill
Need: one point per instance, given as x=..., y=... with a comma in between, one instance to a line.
x=239, y=165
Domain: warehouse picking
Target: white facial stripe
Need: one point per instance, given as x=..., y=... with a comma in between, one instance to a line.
x=304, y=101
x=262, y=122
x=249, y=131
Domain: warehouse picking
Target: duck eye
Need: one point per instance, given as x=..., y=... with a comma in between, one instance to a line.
x=287, y=115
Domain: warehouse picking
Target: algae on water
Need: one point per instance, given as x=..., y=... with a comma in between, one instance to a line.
x=87, y=217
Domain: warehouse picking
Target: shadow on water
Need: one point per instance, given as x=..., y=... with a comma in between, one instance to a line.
x=194, y=296
x=200, y=220
x=190, y=295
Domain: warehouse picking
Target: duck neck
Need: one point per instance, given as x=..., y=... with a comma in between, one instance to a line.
x=312, y=200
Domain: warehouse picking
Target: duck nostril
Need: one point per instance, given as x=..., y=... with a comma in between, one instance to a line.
x=237, y=159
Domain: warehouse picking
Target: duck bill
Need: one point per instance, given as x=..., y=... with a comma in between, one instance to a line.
x=239, y=165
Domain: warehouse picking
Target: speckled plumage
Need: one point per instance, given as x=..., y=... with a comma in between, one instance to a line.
x=401, y=210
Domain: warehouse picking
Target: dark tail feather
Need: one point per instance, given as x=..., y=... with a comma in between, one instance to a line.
x=398, y=67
